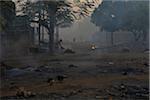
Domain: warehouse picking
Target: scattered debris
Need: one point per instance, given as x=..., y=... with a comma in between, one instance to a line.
x=99, y=97
x=122, y=70
x=129, y=70
x=110, y=63
x=24, y=94
x=129, y=91
x=69, y=51
x=72, y=93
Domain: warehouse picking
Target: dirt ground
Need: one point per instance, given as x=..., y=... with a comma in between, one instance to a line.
x=85, y=75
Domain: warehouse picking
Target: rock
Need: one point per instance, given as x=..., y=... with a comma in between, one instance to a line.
x=23, y=93
x=93, y=47
x=30, y=94
x=72, y=66
x=110, y=63
x=124, y=73
x=69, y=51
x=99, y=97
x=122, y=86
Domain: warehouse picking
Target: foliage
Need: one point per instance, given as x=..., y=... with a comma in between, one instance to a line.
x=138, y=18
x=52, y=13
x=123, y=15
x=65, y=10
x=7, y=14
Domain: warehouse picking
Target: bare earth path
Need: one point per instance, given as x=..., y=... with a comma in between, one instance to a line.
x=87, y=75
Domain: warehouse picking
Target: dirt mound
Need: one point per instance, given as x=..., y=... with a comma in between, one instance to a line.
x=69, y=51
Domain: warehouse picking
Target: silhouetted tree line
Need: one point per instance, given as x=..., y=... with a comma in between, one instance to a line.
x=129, y=15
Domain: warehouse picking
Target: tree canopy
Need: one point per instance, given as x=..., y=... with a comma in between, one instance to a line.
x=57, y=13
x=7, y=14
x=123, y=15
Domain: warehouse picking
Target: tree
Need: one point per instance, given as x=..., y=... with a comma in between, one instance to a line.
x=137, y=19
x=7, y=14
x=123, y=15
x=57, y=13
x=109, y=16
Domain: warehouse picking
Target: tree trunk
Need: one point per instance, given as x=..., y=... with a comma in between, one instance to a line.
x=57, y=37
x=51, y=34
x=145, y=36
x=39, y=33
x=42, y=26
x=112, y=38
x=42, y=34
x=39, y=27
x=137, y=35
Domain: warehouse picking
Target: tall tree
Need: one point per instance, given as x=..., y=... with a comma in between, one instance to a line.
x=123, y=15
x=7, y=14
x=136, y=19
x=58, y=13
